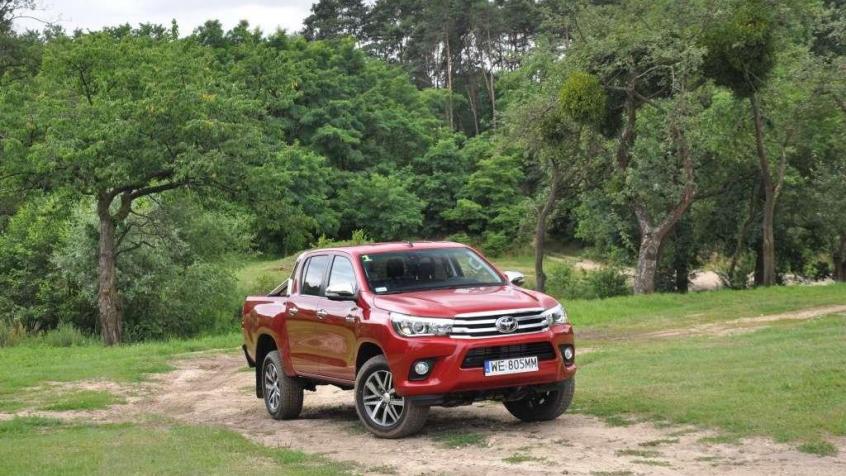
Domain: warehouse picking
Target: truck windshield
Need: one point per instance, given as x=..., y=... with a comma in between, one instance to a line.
x=418, y=270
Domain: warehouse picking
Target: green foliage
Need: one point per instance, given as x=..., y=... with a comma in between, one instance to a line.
x=741, y=46
x=12, y=333
x=583, y=98
x=65, y=335
x=383, y=205
x=568, y=283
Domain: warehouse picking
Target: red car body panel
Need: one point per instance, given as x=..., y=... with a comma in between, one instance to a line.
x=325, y=349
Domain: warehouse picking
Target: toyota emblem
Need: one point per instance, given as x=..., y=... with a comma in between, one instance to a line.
x=506, y=324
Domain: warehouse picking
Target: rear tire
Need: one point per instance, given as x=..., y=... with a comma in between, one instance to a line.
x=382, y=412
x=544, y=406
x=283, y=395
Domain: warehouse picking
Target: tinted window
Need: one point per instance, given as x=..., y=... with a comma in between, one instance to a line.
x=313, y=276
x=342, y=272
x=417, y=270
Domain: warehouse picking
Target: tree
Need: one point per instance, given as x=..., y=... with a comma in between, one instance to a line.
x=122, y=119
x=651, y=64
x=741, y=56
x=558, y=132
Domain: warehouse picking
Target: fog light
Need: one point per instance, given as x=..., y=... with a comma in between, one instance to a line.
x=568, y=353
x=421, y=367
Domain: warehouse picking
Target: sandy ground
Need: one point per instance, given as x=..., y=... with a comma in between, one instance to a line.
x=217, y=389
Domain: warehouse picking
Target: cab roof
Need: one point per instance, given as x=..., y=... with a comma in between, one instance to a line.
x=394, y=246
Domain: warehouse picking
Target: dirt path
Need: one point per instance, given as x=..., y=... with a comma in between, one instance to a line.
x=215, y=389
x=747, y=324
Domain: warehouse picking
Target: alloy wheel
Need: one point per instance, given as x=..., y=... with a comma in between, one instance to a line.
x=381, y=403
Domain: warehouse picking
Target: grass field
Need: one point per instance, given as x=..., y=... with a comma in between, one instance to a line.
x=787, y=381
x=52, y=447
x=24, y=369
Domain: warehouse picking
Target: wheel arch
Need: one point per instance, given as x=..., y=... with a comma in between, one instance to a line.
x=366, y=351
x=265, y=344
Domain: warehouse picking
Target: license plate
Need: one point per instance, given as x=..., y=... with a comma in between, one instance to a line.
x=511, y=366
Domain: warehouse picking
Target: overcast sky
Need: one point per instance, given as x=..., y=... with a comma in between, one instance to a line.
x=94, y=14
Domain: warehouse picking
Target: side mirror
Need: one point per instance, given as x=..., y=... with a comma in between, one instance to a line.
x=515, y=277
x=340, y=292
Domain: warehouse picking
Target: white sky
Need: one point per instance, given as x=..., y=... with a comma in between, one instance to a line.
x=94, y=14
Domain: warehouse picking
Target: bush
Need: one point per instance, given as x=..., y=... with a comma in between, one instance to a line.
x=606, y=282
x=565, y=282
x=496, y=243
x=11, y=333
x=65, y=335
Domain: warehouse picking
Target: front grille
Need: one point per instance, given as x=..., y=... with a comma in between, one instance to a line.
x=477, y=357
x=476, y=325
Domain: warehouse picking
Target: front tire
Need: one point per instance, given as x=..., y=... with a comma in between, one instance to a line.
x=283, y=395
x=383, y=412
x=544, y=406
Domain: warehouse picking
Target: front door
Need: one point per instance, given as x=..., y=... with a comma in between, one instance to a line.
x=340, y=320
x=305, y=331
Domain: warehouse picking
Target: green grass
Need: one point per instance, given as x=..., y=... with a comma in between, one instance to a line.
x=47, y=447
x=81, y=400
x=461, y=439
x=627, y=314
x=518, y=458
x=25, y=367
x=787, y=382
x=818, y=447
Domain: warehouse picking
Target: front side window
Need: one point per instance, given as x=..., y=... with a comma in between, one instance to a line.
x=418, y=270
x=342, y=273
x=313, y=275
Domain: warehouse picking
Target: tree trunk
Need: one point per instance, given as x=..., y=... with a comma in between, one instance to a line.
x=449, y=112
x=647, y=262
x=540, y=230
x=768, y=276
x=108, y=299
x=840, y=260
x=741, y=238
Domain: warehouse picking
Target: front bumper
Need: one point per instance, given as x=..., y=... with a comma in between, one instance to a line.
x=447, y=375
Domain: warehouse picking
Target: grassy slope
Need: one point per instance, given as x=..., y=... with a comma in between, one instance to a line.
x=52, y=447
x=787, y=381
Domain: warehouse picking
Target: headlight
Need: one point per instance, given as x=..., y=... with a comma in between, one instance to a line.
x=413, y=326
x=556, y=315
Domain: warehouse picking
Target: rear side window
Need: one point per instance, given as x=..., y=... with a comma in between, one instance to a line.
x=342, y=272
x=315, y=269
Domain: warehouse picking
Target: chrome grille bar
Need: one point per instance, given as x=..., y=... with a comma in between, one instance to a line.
x=479, y=325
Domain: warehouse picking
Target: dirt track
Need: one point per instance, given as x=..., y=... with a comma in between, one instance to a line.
x=215, y=389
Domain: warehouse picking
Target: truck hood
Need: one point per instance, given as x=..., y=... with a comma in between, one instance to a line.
x=449, y=302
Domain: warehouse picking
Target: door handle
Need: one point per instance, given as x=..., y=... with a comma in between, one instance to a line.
x=351, y=317
x=321, y=313
x=293, y=310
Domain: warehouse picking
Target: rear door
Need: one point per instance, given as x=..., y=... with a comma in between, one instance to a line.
x=303, y=326
x=339, y=324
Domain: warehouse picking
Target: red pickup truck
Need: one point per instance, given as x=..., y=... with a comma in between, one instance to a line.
x=407, y=326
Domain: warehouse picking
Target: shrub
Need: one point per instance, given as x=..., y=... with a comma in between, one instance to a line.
x=606, y=282
x=11, y=333
x=565, y=282
x=65, y=335
x=496, y=243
